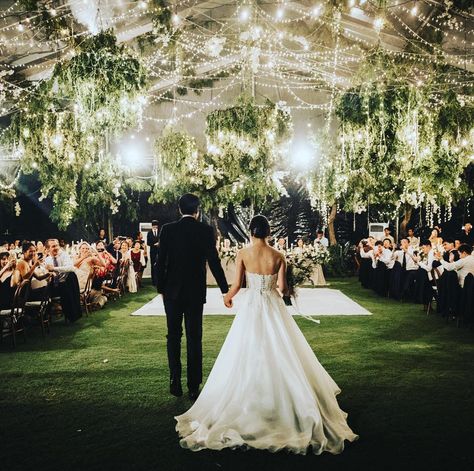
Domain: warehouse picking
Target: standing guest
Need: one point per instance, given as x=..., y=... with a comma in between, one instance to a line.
x=382, y=263
x=366, y=253
x=387, y=244
x=153, y=242
x=457, y=243
x=126, y=262
x=11, y=247
x=387, y=235
x=129, y=242
x=143, y=246
x=464, y=266
x=405, y=256
x=4, y=246
x=102, y=236
x=65, y=282
x=412, y=239
x=114, y=249
x=320, y=239
x=467, y=235
x=436, y=240
x=451, y=254
x=8, y=280
x=138, y=260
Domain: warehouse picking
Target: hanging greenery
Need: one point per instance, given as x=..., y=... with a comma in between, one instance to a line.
x=62, y=127
x=243, y=149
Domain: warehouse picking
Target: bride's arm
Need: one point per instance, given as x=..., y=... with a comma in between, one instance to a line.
x=237, y=283
x=282, y=283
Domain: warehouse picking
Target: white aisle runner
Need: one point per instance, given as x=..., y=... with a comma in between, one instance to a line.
x=311, y=302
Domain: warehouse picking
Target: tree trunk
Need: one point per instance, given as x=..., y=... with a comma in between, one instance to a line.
x=331, y=229
x=405, y=221
x=213, y=219
x=110, y=228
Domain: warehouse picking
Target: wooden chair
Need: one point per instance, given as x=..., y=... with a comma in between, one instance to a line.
x=13, y=320
x=42, y=310
x=85, y=293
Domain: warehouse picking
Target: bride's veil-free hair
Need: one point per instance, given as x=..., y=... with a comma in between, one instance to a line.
x=259, y=227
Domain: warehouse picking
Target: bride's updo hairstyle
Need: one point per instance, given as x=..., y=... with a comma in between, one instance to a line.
x=259, y=227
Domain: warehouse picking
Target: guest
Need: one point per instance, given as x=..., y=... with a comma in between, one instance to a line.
x=457, y=244
x=366, y=254
x=388, y=244
x=143, y=246
x=382, y=263
x=153, y=242
x=8, y=280
x=412, y=239
x=281, y=244
x=451, y=254
x=138, y=259
x=126, y=264
x=405, y=257
x=40, y=250
x=114, y=249
x=467, y=235
x=65, y=282
x=464, y=266
x=85, y=263
x=320, y=239
x=102, y=236
x=436, y=240
x=299, y=249
x=388, y=236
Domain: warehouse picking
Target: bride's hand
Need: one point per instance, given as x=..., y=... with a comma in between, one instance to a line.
x=228, y=301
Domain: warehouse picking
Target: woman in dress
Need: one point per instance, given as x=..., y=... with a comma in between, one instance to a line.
x=436, y=240
x=8, y=280
x=106, y=271
x=126, y=260
x=266, y=390
x=138, y=260
x=85, y=262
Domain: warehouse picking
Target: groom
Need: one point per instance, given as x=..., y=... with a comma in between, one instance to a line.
x=185, y=247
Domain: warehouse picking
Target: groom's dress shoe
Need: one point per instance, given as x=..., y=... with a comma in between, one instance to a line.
x=175, y=388
x=194, y=394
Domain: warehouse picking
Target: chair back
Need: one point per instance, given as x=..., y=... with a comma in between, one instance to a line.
x=21, y=296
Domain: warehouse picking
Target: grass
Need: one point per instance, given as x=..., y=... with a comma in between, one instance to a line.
x=407, y=382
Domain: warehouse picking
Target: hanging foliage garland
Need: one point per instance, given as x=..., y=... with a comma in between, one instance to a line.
x=244, y=145
x=62, y=128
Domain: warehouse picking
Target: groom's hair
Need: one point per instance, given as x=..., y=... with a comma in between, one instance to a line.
x=189, y=204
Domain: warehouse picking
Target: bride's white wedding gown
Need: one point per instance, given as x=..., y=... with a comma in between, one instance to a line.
x=267, y=390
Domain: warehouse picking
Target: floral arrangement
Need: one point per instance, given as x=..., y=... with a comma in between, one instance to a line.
x=228, y=254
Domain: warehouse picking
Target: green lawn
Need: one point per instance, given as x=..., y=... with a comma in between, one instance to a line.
x=407, y=383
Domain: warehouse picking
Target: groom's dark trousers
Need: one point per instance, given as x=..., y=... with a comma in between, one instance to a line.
x=185, y=248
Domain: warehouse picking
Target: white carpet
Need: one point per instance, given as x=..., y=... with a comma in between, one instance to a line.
x=311, y=302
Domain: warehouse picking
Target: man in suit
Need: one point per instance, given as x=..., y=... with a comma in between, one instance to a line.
x=185, y=247
x=153, y=241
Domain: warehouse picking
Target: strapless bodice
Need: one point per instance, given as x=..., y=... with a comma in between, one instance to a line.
x=262, y=283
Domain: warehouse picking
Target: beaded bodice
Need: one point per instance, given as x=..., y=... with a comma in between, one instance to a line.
x=261, y=283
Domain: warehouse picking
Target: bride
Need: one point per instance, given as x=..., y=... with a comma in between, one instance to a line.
x=266, y=390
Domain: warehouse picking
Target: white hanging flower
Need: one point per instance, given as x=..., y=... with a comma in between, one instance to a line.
x=214, y=46
x=17, y=209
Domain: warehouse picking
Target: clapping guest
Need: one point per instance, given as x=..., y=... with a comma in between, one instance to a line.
x=382, y=262
x=8, y=280
x=143, y=246
x=451, y=254
x=405, y=256
x=412, y=239
x=436, y=240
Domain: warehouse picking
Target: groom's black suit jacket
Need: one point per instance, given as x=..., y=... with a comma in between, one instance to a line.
x=185, y=247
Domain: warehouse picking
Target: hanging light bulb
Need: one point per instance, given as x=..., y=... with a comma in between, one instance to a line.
x=378, y=24
x=414, y=10
x=244, y=14
x=176, y=19
x=280, y=13
x=316, y=11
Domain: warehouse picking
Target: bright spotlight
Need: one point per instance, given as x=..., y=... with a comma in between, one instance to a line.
x=244, y=14
x=302, y=156
x=131, y=154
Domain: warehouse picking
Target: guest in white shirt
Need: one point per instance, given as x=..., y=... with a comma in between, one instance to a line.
x=58, y=260
x=413, y=241
x=427, y=262
x=320, y=239
x=388, y=236
x=463, y=266
x=384, y=255
x=405, y=256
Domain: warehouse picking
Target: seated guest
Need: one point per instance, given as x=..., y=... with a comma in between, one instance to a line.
x=320, y=239
x=463, y=266
x=30, y=268
x=65, y=282
x=413, y=241
x=387, y=235
x=299, y=249
x=40, y=250
x=281, y=244
x=138, y=259
x=8, y=280
x=85, y=262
